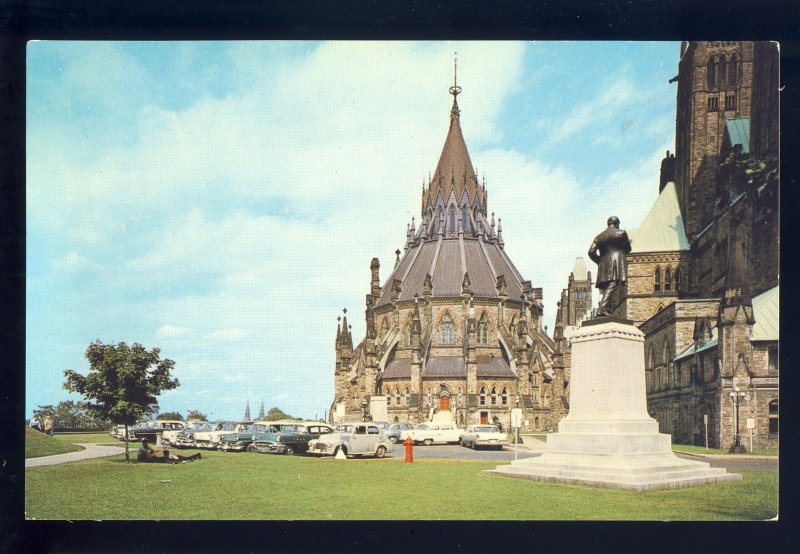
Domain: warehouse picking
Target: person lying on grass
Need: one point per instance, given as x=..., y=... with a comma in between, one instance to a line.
x=147, y=454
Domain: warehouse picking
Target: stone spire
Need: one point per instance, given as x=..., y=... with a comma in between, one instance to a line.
x=261, y=414
x=455, y=170
x=247, y=410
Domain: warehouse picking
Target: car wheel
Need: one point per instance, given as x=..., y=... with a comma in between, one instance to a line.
x=393, y=440
x=289, y=451
x=472, y=445
x=427, y=442
x=460, y=442
x=251, y=447
x=380, y=452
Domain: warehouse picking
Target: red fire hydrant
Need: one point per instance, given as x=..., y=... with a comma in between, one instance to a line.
x=409, y=444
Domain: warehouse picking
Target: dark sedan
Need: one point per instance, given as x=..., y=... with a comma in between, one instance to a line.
x=291, y=439
x=243, y=440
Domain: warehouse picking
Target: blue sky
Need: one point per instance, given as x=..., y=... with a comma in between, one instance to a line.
x=223, y=200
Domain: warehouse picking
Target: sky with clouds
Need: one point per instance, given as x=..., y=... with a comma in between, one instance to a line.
x=223, y=200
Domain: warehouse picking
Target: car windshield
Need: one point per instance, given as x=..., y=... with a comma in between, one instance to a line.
x=422, y=426
x=344, y=428
x=230, y=426
x=485, y=429
x=205, y=427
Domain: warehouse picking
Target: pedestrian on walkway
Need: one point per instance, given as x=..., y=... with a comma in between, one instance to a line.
x=48, y=426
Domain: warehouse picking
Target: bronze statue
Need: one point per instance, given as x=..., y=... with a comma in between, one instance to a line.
x=612, y=245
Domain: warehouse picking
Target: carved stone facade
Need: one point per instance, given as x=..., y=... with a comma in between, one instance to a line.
x=713, y=331
x=455, y=329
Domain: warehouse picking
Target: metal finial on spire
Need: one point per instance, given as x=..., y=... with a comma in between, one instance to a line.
x=455, y=90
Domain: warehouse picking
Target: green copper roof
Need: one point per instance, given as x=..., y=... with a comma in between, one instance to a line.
x=766, y=312
x=737, y=131
x=662, y=230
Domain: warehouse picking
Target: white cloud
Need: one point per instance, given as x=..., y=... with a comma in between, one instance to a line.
x=171, y=331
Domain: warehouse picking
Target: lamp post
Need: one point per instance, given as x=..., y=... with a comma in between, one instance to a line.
x=736, y=397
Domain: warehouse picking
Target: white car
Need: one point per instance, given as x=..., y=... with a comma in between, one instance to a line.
x=354, y=439
x=483, y=435
x=211, y=438
x=429, y=433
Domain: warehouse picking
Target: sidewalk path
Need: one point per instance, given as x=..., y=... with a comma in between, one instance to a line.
x=90, y=450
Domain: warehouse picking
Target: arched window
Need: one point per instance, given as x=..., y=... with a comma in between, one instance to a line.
x=407, y=396
x=651, y=359
x=504, y=397
x=408, y=336
x=512, y=327
x=447, y=330
x=677, y=279
x=460, y=397
x=773, y=418
x=711, y=73
x=722, y=70
x=385, y=327
x=494, y=396
x=668, y=279
x=452, y=228
x=483, y=396
x=430, y=397
x=483, y=330
x=665, y=354
x=388, y=397
x=536, y=423
x=733, y=70
x=657, y=280
x=464, y=218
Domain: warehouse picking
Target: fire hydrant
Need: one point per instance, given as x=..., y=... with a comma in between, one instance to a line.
x=409, y=444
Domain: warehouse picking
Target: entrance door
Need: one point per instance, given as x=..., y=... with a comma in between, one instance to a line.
x=484, y=418
x=444, y=403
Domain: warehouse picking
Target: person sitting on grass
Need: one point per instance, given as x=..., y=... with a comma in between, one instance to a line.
x=145, y=453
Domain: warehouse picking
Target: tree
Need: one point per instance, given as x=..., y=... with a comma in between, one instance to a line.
x=123, y=382
x=275, y=414
x=170, y=415
x=196, y=414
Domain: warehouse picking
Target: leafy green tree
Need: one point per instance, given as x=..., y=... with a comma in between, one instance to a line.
x=196, y=414
x=123, y=382
x=275, y=414
x=170, y=415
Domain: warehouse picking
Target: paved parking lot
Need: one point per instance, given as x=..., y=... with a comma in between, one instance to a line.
x=456, y=452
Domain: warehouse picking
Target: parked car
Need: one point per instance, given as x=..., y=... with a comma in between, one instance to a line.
x=244, y=440
x=151, y=429
x=354, y=439
x=429, y=433
x=170, y=436
x=118, y=431
x=483, y=435
x=292, y=438
x=210, y=439
x=185, y=438
x=384, y=425
x=398, y=432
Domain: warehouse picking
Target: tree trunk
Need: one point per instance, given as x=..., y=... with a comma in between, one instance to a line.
x=127, y=458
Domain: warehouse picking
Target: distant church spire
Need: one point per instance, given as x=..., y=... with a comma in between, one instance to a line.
x=247, y=410
x=261, y=411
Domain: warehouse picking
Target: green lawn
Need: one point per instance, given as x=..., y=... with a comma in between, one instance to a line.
x=38, y=444
x=260, y=486
x=702, y=450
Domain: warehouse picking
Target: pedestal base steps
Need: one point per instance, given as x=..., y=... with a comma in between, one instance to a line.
x=608, y=439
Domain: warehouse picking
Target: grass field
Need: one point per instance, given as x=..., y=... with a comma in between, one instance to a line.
x=259, y=486
x=38, y=444
x=724, y=451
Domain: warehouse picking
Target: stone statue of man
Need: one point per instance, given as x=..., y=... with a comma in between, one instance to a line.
x=608, y=251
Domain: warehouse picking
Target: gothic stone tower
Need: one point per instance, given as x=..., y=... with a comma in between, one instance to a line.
x=714, y=85
x=455, y=331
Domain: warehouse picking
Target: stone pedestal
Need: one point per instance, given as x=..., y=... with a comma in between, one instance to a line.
x=608, y=439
